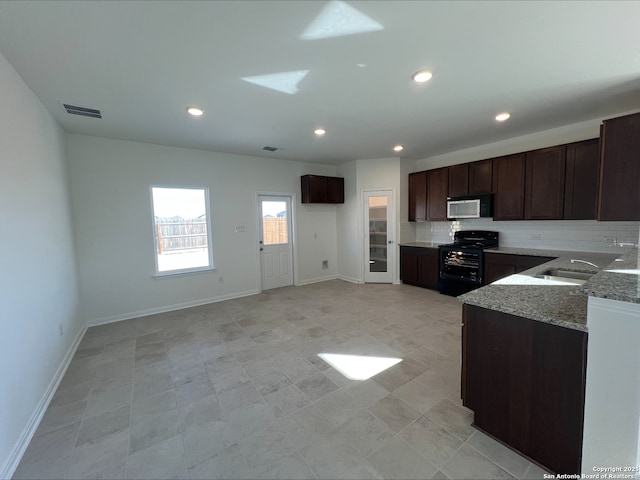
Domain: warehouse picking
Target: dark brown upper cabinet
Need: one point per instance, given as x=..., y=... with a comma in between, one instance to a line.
x=480, y=177
x=470, y=178
x=321, y=189
x=418, y=196
x=508, y=187
x=581, y=180
x=437, y=189
x=544, y=189
x=619, y=194
x=459, y=180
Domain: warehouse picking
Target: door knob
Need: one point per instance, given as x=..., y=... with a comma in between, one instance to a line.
x=261, y=249
x=390, y=242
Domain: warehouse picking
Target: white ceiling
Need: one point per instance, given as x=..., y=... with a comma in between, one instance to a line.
x=549, y=63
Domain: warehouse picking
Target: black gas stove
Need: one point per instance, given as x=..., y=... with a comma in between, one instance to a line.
x=461, y=263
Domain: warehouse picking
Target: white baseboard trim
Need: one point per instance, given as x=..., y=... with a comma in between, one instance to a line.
x=10, y=465
x=169, y=308
x=350, y=279
x=316, y=280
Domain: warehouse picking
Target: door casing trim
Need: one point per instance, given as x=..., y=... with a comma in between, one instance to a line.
x=364, y=231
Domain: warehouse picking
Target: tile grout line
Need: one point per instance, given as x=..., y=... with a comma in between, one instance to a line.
x=83, y=418
x=133, y=385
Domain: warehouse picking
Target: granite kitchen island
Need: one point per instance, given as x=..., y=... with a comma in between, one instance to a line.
x=535, y=358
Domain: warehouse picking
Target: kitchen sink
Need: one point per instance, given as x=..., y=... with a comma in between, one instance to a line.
x=565, y=276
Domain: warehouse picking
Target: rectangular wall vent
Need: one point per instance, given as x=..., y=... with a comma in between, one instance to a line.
x=83, y=111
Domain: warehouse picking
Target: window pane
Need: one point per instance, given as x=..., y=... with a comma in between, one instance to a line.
x=274, y=222
x=181, y=228
x=377, y=234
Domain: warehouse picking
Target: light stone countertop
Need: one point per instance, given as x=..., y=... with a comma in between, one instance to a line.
x=539, y=252
x=620, y=280
x=553, y=302
x=421, y=244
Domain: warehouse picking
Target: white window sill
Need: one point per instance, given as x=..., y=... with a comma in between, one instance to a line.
x=186, y=271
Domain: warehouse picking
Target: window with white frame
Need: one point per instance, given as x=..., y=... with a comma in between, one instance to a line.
x=182, y=229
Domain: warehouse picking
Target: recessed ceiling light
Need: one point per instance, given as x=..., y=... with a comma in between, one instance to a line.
x=422, y=76
x=398, y=148
x=501, y=117
x=195, y=111
x=319, y=131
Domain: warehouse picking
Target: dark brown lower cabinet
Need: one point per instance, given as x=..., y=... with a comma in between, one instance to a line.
x=500, y=265
x=419, y=266
x=524, y=381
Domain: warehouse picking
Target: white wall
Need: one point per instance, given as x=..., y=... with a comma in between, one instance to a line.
x=110, y=192
x=612, y=393
x=349, y=242
x=372, y=174
x=38, y=286
x=379, y=174
x=545, y=138
x=407, y=232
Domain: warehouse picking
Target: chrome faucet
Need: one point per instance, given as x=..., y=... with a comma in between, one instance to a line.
x=575, y=260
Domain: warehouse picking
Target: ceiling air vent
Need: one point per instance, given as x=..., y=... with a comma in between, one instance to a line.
x=270, y=149
x=83, y=111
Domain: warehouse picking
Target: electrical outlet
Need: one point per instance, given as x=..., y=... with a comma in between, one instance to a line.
x=536, y=236
x=325, y=264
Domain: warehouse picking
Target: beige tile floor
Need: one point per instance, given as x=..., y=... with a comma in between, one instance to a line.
x=236, y=390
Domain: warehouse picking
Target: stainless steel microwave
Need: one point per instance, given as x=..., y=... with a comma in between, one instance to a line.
x=469, y=206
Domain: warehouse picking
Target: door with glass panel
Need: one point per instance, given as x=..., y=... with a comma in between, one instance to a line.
x=379, y=244
x=276, y=251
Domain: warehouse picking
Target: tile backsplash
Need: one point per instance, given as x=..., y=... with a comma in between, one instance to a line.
x=575, y=235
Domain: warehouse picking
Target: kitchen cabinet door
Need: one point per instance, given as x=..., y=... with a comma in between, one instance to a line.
x=428, y=268
x=558, y=377
x=480, y=176
x=408, y=266
x=581, y=180
x=500, y=265
x=508, y=187
x=525, y=262
x=419, y=266
x=458, y=180
x=497, y=364
x=335, y=190
x=418, y=196
x=322, y=189
x=524, y=381
x=495, y=271
x=544, y=189
x=619, y=193
x=437, y=190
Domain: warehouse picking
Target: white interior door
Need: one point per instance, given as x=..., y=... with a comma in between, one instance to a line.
x=379, y=238
x=276, y=248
